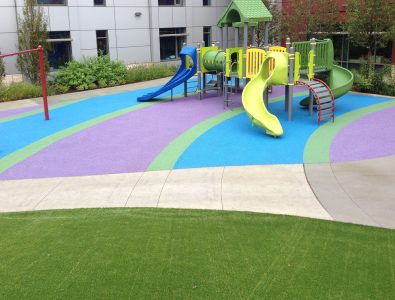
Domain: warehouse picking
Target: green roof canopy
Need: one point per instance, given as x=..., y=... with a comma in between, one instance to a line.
x=245, y=11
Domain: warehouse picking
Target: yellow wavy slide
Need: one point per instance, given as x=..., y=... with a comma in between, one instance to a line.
x=253, y=92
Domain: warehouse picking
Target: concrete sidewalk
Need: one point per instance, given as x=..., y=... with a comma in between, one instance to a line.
x=359, y=192
x=281, y=189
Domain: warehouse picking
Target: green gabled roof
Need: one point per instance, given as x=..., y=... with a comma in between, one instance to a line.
x=250, y=11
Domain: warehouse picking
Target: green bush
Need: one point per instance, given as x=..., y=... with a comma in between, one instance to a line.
x=90, y=73
x=17, y=91
x=369, y=80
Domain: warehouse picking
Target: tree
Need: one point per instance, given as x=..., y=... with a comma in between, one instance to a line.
x=32, y=32
x=275, y=30
x=370, y=24
x=303, y=19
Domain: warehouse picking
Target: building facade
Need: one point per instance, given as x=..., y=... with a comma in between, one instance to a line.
x=133, y=31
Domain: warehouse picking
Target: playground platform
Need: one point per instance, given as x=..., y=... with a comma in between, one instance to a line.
x=110, y=151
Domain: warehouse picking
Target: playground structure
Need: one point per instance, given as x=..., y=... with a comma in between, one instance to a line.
x=308, y=63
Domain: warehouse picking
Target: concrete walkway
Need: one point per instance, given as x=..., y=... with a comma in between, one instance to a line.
x=281, y=189
x=359, y=192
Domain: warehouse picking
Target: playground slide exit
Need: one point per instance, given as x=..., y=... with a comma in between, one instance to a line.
x=252, y=96
x=183, y=74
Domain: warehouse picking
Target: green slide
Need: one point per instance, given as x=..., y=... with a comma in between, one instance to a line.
x=253, y=93
x=340, y=81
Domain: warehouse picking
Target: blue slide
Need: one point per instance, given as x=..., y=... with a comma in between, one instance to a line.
x=182, y=75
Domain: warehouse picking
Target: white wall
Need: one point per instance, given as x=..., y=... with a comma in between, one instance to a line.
x=132, y=39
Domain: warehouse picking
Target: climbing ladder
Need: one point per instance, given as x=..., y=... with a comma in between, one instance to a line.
x=323, y=97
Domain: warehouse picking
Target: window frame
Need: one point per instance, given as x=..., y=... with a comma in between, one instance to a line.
x=103, y=38
x=62, y=40
x=176, y=43
x=65, y=4
x=172, y=5
x=100, y=5
x=208, y=43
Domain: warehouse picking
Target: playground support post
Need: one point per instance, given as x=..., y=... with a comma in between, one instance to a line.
x=222, y=37
x=287, y=46
x=204, y=77
x=41, y=60
x=245, y=45
x=185, y=82
x=199, y=72
x=291, y=81
x=311, y=96
x=237, y=36
x=254, y=39
x=267, y=33
x=226, y=38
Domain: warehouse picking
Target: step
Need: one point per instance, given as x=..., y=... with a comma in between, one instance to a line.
x=316, y=84
x=324, y=100
x=321, y=89
x=325, y=106
x=324, y=94
x=324, y=113
x=326, y=117
x=212, y=83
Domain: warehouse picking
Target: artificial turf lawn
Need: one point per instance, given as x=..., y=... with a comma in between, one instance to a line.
x=181, y=254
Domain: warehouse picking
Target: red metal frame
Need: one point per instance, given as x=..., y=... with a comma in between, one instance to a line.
x=40, y=51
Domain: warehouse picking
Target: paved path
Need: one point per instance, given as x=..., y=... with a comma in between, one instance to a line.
x=281, y=189
x=358, y=192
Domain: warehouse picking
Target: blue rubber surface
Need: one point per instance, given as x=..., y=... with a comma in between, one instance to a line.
x=18, y=133
x=235, y=143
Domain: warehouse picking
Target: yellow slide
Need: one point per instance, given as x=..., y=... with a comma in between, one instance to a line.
x=253, y=93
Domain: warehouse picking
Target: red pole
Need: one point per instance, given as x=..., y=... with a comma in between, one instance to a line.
x=40, y=50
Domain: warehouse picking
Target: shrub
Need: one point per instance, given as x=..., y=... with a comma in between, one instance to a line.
x=17, y=91
x=369, y=80
x=75, y=75
x=90, y=73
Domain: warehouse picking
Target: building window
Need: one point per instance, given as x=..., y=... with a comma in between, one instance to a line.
x=52, y=2
x=59, y=48
x=170, y=2
x=207, y=36
x=171, y=41
x=102, y=42
x=206, y=2
x=99, y=2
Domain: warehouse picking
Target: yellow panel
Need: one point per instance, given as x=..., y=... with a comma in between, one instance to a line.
x=255, y=58
x=278, y=49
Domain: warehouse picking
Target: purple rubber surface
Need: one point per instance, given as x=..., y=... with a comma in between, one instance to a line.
x=16, y=111
x=124, y=144
x=369, y=137
x=128, y=143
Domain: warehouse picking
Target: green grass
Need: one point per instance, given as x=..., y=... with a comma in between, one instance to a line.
x=180, y=254
x=22, y=90
x=145, y=73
